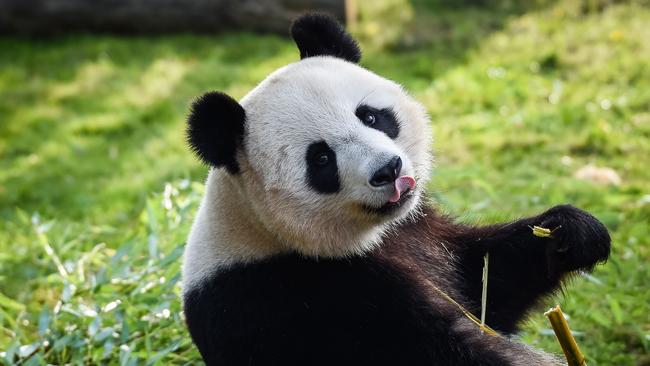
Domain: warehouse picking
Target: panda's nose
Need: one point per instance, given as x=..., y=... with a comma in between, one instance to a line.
x=388, y=173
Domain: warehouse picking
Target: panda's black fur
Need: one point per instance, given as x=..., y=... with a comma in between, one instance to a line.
x=201, y=131
x=385, y=307
x=318, y=35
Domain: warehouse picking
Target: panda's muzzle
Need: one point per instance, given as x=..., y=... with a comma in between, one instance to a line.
x=388, y=179
x=390, y=207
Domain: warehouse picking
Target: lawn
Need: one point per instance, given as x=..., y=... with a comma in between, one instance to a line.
x=98, y=190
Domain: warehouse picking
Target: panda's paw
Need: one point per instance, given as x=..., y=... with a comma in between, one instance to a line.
x=577, y=239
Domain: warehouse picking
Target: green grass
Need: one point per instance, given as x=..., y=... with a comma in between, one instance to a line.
x=97, y=188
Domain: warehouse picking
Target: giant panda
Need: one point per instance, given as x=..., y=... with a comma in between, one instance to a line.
x=314, y=243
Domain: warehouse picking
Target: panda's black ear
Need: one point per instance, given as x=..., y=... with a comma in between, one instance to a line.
x=215, y=129
x=321, y=35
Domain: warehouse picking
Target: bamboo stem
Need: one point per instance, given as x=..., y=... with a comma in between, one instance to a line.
x=486, y=263
x=569, y=346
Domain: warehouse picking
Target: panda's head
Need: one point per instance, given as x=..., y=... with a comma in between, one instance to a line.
x=325, y=153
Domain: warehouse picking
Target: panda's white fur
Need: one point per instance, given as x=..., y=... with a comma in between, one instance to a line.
x=268, y=208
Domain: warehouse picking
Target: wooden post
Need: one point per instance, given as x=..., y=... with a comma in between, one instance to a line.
x=45, y=17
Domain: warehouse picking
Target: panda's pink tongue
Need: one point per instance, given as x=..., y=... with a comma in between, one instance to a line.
x=402, y=184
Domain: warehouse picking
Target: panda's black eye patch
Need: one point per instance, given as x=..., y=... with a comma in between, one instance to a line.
x=383, y=120
x=322, y=170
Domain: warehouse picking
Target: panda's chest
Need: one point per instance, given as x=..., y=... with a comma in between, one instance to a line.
x=360, y=310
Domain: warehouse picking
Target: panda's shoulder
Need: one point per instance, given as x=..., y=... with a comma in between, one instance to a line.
x=287, y=279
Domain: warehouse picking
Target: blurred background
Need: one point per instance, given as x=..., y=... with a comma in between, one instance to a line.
x=532, y=103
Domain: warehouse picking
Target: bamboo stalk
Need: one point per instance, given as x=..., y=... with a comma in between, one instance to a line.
x=486, y=263
x=569, y=346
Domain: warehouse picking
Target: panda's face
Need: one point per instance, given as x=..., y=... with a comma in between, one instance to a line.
x=324, y=154
x=332, y=153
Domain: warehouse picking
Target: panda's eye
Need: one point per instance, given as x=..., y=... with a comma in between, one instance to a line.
x=322, y=159
x=368, y=118
x=383, y=120
x=322, y=170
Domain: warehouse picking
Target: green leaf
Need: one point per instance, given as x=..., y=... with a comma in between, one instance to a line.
x=615, y=307
x=11, y=304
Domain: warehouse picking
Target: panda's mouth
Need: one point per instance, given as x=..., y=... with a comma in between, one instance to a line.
x=390, y=207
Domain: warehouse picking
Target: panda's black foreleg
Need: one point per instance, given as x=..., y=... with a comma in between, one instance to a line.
x=523, y=267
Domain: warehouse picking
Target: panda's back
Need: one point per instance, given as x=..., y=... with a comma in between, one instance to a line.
x=292, y=310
